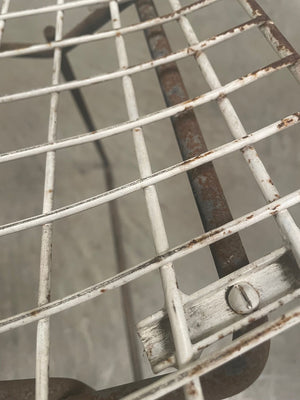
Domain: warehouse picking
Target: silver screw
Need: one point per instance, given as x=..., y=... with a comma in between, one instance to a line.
x=243, y=298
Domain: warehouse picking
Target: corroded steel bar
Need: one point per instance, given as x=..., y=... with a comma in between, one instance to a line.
x=229, y=253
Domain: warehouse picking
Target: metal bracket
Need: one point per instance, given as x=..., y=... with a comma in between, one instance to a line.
x=208, y=313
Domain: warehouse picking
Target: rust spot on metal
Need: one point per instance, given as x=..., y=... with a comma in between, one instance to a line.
x=191, y=100
x=208, y=152
x=221, y=96
x=191, y=389
x=286, y=61
x=242, y=343
x=281, y=47
x=118, y=34
x=103, y=290
x=285, y=122
x=250, y=216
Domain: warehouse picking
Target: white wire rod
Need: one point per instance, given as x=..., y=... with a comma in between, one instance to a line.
x=173, y=299
x=275, y=38
x=149, y=118
x=43, y=327
x=112, y=33
x=4, y=10
x=287, y=226
x=156, y=177
x=52, y=8
x=181, y=54
x=198, y=347
x=148, y=266
x=248, y=341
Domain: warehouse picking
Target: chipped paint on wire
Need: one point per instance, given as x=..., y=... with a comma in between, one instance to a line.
x=43, y=327
x=173, y=299
x=108, y=34
x=151, y=180
x=263, y=179
x=277, y=206
x=139, y=270
x=57, y=7
x=153, y=117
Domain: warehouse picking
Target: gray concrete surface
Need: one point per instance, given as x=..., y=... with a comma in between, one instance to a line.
x=88, y=342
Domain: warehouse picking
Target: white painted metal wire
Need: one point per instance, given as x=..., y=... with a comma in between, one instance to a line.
x=276, y=206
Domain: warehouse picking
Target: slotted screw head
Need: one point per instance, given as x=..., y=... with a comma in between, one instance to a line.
x=242, y=298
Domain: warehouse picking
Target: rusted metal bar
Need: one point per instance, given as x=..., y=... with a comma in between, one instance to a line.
x=228, y=254
x=114, y=216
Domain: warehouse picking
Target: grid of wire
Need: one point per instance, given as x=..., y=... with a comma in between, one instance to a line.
x=277, y=206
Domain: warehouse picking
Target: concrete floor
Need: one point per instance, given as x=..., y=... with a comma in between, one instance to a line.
x=88, y=342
